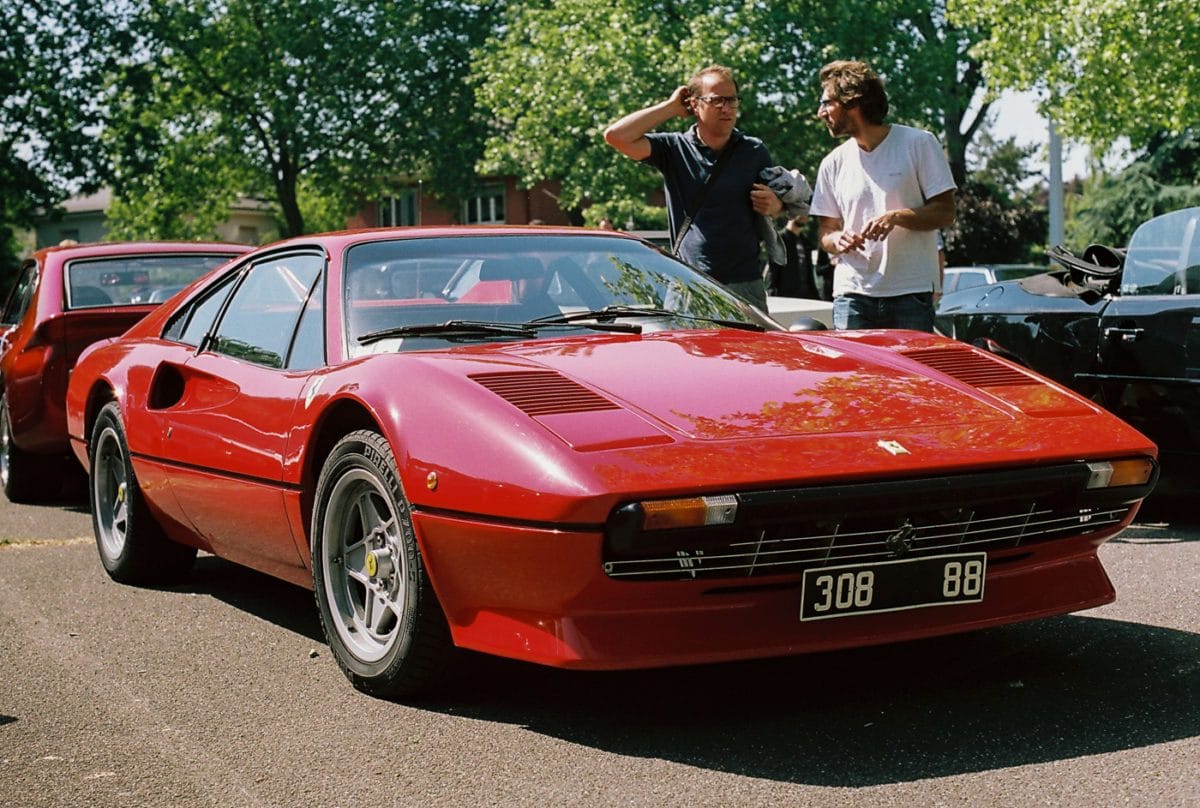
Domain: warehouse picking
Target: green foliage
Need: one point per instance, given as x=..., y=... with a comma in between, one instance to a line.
x=1112, y=206
x=1105, y=69
x=626, y=214
x=50, y=64
x=323, y=97
x=991, y=229
x=557, y=73
x=997, y=222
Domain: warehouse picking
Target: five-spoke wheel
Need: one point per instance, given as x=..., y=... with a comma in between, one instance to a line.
x=132, y=546
x=381, y=618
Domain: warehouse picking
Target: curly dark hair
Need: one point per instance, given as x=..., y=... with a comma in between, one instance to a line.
x=856, y=84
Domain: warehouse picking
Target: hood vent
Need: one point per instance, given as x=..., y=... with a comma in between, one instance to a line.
x=543, y=393
x=970, y=367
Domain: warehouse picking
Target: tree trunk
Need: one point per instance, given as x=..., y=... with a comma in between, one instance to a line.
x=289, y=204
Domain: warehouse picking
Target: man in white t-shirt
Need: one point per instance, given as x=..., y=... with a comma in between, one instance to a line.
x=880, y=197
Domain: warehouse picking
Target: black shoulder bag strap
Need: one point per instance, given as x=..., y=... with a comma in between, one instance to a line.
x=698, y=202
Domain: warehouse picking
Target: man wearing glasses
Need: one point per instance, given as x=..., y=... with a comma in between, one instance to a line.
x=722, y=239
x=879, y=200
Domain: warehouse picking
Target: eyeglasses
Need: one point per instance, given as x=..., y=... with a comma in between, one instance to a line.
x=719, y=101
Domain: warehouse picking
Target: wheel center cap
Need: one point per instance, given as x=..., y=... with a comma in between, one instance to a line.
x=378, y=564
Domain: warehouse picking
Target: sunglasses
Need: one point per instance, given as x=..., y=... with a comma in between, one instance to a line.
x=719, y=101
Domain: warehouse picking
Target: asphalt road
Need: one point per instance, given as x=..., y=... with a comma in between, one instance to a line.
x=222, y=692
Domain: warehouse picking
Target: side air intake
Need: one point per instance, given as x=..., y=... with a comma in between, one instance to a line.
x=538, y=392
x=970, y=367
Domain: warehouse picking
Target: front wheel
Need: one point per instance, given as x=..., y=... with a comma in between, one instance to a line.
x=380, y=615
x=133, y=548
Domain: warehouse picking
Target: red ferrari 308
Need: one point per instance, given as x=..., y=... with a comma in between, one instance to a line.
x=566, y=447
x=65, y=299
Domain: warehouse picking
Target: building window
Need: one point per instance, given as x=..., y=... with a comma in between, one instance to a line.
x=399, y=210
x=247, y=234
x=486, y=207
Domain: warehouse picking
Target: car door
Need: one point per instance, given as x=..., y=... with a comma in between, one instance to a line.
x=1149, y=349
x=228, y=426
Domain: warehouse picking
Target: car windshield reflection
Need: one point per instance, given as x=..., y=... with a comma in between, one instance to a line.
x=407, y=287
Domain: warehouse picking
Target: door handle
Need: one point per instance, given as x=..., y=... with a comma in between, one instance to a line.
x=1124, y=334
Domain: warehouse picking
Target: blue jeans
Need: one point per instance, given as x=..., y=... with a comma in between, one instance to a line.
x=912, y=311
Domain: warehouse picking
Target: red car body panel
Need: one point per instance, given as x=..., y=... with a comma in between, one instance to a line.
x=510, y=505
x=38, y=353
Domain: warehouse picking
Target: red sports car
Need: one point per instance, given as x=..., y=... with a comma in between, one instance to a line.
x=564, y=446
x=65, y=299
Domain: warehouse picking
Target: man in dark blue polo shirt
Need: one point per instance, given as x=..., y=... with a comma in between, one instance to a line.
x=722, y=240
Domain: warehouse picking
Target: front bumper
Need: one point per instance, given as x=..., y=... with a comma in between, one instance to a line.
x=542, y=596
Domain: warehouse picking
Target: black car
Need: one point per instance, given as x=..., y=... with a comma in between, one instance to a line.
x=1122, y=327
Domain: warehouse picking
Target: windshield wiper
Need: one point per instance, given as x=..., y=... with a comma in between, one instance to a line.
x=449, y=329
x=612, y=312
x=465, y=329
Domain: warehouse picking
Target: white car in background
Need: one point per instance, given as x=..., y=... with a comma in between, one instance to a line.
x=958, y=278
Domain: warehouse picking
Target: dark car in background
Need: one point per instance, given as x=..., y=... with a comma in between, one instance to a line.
x=1126, y=334
x=66, y=298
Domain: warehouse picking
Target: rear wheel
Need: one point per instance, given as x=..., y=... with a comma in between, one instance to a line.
x=26, y=477
x=380, y=615
x=133, y=548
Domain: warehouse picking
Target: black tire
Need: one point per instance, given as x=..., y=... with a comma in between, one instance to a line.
x=381, y=618
x=26, y=477
x=132, y=546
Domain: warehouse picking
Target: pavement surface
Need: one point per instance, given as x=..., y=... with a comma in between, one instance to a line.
x=222, y=692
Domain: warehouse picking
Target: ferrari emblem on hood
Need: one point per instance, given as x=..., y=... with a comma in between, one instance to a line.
x=892, y=447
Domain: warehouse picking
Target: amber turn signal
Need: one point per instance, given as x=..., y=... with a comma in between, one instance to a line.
x=668, y=514
x=1116, y=473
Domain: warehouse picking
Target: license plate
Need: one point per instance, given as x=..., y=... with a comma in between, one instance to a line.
x=891, y=586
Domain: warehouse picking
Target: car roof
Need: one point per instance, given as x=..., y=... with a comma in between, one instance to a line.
x=343, y=238
x=104, y=248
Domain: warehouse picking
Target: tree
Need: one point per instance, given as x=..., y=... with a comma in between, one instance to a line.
x=49, y=80
x=1112, y=205
x=330, y=98
x=557, y=73
x=1105, y=70
x=998, y=222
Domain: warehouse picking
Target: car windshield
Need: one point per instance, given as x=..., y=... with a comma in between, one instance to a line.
x=1164, y=256
x=132, y=280
x=413, y=294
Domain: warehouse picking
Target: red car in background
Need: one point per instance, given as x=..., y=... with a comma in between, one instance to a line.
x=566, y=447
x=66, y=298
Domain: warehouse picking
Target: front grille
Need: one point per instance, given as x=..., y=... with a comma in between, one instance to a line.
x=794, y=546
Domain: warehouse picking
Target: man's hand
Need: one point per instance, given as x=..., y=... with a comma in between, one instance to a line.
x=679, y=101
x=880, y=227
x=764, y=200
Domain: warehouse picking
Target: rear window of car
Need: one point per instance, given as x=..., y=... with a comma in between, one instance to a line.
x=133, y=280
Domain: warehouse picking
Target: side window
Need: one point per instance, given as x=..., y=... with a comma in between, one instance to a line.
x=308, y=348
x=262, y=315
x=191, y=324
x=19, y=297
